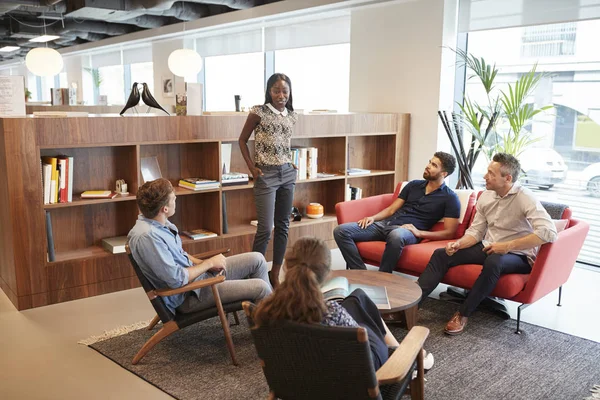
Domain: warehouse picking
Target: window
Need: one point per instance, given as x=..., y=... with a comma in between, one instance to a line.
x=142, y=72
x=47, y=83
x=112, y=84
x=320, y=76
x=566, y=165
x=238, y=74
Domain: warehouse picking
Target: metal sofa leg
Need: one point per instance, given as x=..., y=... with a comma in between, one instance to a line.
x=521, y=307
x=559, y=296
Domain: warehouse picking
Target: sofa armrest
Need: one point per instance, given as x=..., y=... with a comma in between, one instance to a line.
x=554, y=262
x=352, y=211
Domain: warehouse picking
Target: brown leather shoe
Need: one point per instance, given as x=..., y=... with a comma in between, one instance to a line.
x=456, y=325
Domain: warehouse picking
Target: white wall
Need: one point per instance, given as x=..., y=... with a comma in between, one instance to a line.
x=396, y=66
x=74, y=69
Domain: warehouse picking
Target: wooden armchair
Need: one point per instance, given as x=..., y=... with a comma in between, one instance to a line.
x=174, y=322
x=311, y=361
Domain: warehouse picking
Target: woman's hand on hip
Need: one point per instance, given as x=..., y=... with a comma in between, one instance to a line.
x=256, y=172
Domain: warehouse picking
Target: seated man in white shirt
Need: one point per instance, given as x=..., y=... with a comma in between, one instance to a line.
x=504, y=238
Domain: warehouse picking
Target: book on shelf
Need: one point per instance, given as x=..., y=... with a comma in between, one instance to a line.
x=50, y=238
x=198, y=181
x=353, y=193
x=115, y=245
x=197, y=187
x=339, y=288
x=357, y=171
x=234, y=178
x=98, y=194
x=325, y=175
x=198, y=234
x=57, y=179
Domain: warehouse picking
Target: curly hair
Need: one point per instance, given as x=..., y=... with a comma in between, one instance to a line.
x=298, y=298
x=152, y=196
x=448, y=161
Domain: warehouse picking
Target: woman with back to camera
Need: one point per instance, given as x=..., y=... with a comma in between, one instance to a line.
x=272, y=169
x=307, y=266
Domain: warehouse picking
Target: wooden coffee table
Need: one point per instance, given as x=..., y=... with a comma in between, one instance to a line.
x=404, y=294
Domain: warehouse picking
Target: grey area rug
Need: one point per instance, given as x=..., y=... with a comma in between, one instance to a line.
x=488, y=361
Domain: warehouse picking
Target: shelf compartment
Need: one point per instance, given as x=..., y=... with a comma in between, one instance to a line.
x=78, y=231
x=81, y=254
x=331, y=153
x=179, y=191
x=237, y=162
x=373, y=172
x=247, y=229
x=98, y=168
x=200, y=211
x=240, y=209
x=372, y=152
x=372, y=185
x=249, y=185
x=185, y=160
x=329, y=178
x=326, y=192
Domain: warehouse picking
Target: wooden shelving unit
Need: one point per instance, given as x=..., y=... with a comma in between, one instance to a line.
x=107, y=148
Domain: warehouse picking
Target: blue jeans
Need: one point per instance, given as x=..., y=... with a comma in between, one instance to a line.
x=346, y=236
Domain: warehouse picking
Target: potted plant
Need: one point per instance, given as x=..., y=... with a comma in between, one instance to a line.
x=497, y=125
x=97, y=81
x=27, y=95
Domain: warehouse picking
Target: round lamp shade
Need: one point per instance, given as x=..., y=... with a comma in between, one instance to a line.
x=185, y=62
x=44, y=61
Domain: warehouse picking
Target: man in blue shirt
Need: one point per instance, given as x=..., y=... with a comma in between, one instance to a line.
x=156, y=247
x=420, y=204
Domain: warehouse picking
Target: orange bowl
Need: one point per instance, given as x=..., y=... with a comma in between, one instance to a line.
x=314, y=210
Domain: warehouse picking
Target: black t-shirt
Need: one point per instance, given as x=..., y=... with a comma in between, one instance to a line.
x=422, y=210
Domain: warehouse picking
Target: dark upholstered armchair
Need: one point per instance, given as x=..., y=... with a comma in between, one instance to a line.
x=174, y=322
x=312, y=361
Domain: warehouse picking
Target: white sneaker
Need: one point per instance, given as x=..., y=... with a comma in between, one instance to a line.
x=428, y=361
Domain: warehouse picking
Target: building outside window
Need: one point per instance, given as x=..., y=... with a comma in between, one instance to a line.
x=569, y=56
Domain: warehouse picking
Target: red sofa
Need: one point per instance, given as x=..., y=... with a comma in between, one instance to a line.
x=549, y=272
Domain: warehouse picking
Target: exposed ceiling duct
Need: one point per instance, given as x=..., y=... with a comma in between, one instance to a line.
x=82, y=21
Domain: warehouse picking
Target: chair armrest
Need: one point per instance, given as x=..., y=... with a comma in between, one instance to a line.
x=398, y=365
x=190, y=286
x=208, y=254
x=352, y=211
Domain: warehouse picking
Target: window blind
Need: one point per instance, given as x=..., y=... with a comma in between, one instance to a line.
x=476, y=15
x=137, y=55
x=231, y=43
x=106, y=59
x=311, y=33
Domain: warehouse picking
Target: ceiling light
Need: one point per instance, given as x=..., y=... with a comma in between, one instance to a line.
x=185, y=62
x=44, y=61
x=6, y=49
x=44, y=38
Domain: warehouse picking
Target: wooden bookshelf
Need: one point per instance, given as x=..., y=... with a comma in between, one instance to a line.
x=107, y=148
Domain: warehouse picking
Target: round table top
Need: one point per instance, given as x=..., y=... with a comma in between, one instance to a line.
x=402, y=292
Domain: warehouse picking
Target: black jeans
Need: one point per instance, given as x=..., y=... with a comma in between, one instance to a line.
x=366, y=314
x=494, y=266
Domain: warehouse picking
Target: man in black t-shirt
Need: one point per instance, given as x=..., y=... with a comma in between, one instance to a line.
x=420, y=204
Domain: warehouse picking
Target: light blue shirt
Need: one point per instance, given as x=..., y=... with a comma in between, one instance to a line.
x=157, y=250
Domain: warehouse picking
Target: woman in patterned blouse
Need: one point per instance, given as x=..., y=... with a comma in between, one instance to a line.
x=272, y=169
x=299, y=298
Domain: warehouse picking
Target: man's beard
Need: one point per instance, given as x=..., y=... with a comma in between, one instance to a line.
x=428, y=177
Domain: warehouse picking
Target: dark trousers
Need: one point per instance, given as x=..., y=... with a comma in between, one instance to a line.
x=366, y=314
x=274, y=195
x=494, y=266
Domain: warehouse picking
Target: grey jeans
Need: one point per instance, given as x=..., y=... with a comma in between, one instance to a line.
x=274, y=195
x=247, y=279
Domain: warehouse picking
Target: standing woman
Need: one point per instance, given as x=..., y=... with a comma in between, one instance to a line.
x=272, y=168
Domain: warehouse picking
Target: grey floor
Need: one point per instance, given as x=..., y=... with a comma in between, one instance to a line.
x=40, y=357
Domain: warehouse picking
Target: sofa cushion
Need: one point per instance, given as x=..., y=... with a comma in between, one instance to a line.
x=415, y=257
x=464, y=276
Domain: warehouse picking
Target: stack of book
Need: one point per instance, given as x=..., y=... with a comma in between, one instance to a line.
x=198, y=183
x=98, y=194
x=198, y=234
x=234, y=178
x=57, y=179
x=358, y=171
